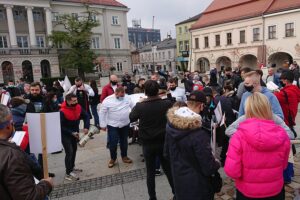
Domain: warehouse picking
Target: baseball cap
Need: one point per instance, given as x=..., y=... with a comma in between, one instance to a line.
x=198, y=96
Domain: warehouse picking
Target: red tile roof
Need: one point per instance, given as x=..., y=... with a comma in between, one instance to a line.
x=97, y=2
x=222, y=11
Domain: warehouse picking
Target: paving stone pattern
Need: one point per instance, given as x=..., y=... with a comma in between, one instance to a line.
x=97, y=183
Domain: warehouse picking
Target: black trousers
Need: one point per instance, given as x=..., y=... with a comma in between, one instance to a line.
x=70, y=145
x=280, y=196
x=151, y=152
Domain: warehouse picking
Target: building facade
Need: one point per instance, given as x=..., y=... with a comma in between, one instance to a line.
x=26, y=24
x=139, y=36
x=183, y=41
x=159, y=55
x=246, y=33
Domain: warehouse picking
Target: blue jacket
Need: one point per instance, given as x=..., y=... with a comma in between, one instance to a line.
x=276, y=108
x=276, y=79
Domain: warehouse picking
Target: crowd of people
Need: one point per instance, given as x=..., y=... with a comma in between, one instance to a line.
x=175, y=127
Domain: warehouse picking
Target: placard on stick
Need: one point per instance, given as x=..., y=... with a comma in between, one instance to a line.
x=44, y=135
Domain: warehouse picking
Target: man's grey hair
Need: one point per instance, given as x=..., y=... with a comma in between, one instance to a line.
x=4, y=113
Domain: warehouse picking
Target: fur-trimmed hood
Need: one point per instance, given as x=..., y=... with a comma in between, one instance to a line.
x=182, y=121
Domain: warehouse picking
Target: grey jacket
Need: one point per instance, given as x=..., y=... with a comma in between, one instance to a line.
x=234, y=126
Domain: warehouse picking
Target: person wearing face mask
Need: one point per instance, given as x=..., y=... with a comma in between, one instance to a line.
x=187, y=146
x=51, y=103
x=12, y=89
x=110, y=88
x=252, y=84
x=289, y=98
x=16, y=178
x=114, y=118
x=70, y=115
x=233, y=78
x=140, y=86
x=176, y=92
x=83, y=92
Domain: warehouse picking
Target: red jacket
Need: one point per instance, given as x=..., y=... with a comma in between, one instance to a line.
x=107, y=91
x=293, y=93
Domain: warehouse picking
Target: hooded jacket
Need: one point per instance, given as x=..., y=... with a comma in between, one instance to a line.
x=257, y=156
x=293, y=93
x=70, y=119
x=187, y=146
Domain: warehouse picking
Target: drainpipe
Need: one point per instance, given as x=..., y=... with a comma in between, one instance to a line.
x=190, y=53
x=264, y=43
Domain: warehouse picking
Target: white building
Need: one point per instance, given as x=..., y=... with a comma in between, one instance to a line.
x=246, y=33
x=25, y=25
x=160, y=54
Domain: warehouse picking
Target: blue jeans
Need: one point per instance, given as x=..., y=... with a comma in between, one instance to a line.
x=116, y=135
x=95, y=115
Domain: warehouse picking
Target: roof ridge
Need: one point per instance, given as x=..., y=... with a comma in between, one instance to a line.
x=230, y=6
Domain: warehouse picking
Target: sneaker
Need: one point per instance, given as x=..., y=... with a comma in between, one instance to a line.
x=71, y=177
x=111, y=163
x=75, y=170
x=126, y=160
x=158, y=172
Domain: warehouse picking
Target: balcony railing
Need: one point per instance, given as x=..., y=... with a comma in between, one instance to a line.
x=27, y=51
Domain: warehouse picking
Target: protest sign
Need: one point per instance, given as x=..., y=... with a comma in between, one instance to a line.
x=44, y=134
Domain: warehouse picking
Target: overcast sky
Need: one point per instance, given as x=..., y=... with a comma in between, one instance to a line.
x=167, y=12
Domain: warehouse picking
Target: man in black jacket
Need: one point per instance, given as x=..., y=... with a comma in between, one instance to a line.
x=151, y=114
x=70, y=114
x=16, y=178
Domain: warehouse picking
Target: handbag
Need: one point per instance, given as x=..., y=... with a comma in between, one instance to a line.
x=217, y=182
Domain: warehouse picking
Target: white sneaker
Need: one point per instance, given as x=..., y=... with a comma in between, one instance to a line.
x=71, y=177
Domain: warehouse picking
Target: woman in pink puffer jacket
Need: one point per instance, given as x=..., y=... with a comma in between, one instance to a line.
x=258, y=153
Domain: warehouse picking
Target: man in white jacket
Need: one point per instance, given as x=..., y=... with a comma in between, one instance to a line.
x=82, y=91
x=114, y=118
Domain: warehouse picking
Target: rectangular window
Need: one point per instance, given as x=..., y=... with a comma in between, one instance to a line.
x=180, y=45
x=206, y=42
x=19, y=15
x=186, y=29
x=218, y=41
x=95, y=43
x=229, y=39
x=117, y=43
x=180, y=30
x=272, y=32
x=22, y=41
x=74, y=16
x=55, y=16
x=197, y=43
x=159, y=55
x=37, y=15
x=164, y=56
x=2, y=14
x=40, y=41
x=186, y=45
x=115, y=20
x=256, y=34
x=243, y=36
x=119, y=66
x=94, y=18
x=289, y=30
x=169, y=54
x=3, y=42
